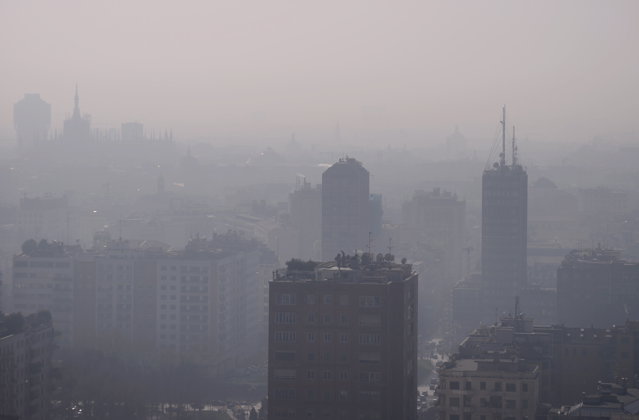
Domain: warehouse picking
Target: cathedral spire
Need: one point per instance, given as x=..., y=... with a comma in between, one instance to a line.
x=76, y=109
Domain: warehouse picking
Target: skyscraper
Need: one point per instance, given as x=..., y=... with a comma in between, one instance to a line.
x=343, y=340
x=345, y=208
x=31, y=119
x=504, y=228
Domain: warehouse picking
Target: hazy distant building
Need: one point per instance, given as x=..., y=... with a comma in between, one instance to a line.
x=343, y=340
x=132, y=131
x=78, y=127
x=31, y=119
x=345, y=208
x=204, y=304
x=44, y=218
x=26, y=345
x=436, y=220
x=596, y=287
x=306, y=217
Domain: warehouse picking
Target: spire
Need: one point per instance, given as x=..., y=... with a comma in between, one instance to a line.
x=76, y=109
x=502, y=157
x=514, y=148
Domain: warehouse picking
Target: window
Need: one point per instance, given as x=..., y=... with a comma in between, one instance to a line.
x=286, y=299
x=370, y=339
x=343, y=300
x=370, y=378
x=327, y=299
x=468, y=401
x=370, y=320
x=342, y=375
x=309, y=299
x=370, y=357
x=342, y=395
x=310, y=337
x=468, y=386
x=524, y=387
x=328, y=338
x=468, y=416
x=285, y=336
x=285, y=318
x=343, y=319
x=497, y=386
x=453, y=402
x=284, y=394
x=311, y=318
x=343, y=338
x=288, y=374
x=511, y=387
x=510, y=404
x=370, y=301
x=482, y=386
x=454, y=385
x=326, y=319
x=453, y=417
x=327, y=375
x=310, y=375
x=524, y=404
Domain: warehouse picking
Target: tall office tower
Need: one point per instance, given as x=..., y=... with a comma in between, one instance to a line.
x=504, y=229
x=26, y=345
x=343, y=340
x=306, y=217
x=435, y=221
x=78, y=127
x=31, y=119
x=345, y=208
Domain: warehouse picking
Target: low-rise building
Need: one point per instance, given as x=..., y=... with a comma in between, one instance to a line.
x=484, y=389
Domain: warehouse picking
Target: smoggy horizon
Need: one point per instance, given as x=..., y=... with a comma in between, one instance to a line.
x=383, y=73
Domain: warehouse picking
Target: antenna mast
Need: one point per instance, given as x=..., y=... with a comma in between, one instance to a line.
x=514, y=148
x=502, y=157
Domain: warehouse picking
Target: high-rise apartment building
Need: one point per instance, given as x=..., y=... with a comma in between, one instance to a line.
x=31, y=119
x=43, y=280
x=345, y=208
x=504, y=229
x=204, y=304
x=26, y=345
x=343, y=340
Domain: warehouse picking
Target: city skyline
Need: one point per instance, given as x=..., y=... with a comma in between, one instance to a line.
x=384, y=74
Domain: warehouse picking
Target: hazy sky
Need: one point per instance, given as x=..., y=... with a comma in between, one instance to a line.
x=566, y=69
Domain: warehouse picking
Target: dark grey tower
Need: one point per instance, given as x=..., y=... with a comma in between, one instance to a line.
x=345, y=208
x=504, y=229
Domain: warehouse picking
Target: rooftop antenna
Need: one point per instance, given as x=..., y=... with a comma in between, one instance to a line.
x=502, y=157
x=514, y=148
x=390, y=246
